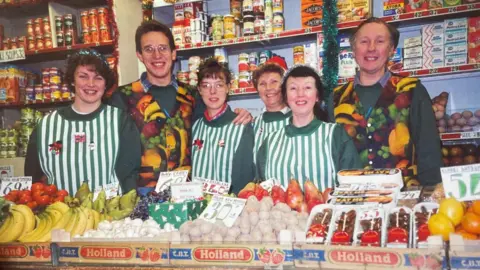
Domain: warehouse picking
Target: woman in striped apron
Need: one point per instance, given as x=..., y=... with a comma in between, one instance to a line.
x=221, y=150
x=87, y=141
x=267, y=80
x=307, y=148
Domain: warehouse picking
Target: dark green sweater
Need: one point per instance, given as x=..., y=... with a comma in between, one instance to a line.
x=423, y=128
x=127, y=163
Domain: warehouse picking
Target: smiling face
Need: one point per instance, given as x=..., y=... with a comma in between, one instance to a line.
x=158, y=57
x=268, y=87
x=89, y=86
x=302, y=95
x=373, y=48
x=214, y=90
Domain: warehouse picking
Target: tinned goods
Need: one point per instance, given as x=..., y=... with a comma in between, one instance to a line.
x=38, y=92
x=243, y=62
x=29, y=94
x=277, y=6
x=93, y=18
x=258, y=7
x=45, y=76
x=264, y=56
x=60, y=39
x=55, y=76
x=236, y=8
x=13, y=43
x=95, y=35
x=103, y=17
x=68, y=22
x=248, y=25
x=217, y=27
x=229, y=26
x=84, y=20
x=56, y=91
x=177, y=31
x=87, y=38
x=243, y=79
x=187, y=32
x=105, y=34
x=221, y=55
x=47, y=93
x=65, y=91
x=69, y=38
x=278, y=23
x=38, y=26
x=46, y=25
x=22, y=42
x=30, y=30
x=31, y=44
x=39, y=44
x=58, y=23
x=259, y=25
x=47, y=39
x=253, y=60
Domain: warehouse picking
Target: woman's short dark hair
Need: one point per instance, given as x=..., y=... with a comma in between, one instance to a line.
x=303, y=72
x=212, y=69
x=153, y=26
x=89, y=57
x=266, y=68
x=392, y=30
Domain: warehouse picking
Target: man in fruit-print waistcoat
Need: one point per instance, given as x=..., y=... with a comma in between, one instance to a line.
x=162, y=108
x=389, y=117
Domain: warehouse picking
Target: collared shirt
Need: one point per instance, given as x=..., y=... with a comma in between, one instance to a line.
x=383, y=80
x=285, y=110
x=147, y=84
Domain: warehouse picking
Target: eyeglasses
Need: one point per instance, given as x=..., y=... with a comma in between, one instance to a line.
x=219, y=87
x=162, y=49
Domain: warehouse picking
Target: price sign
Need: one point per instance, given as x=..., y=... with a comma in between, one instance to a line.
x=268, y=184
x=462, y=182
x=470, y=135
x=15, y=183
x=6, y=171
x=186, y=191
x=12, y=55
x=226, y=209
x=167, y=178
x=410, y=195
x=212, y=186
x=111, y=190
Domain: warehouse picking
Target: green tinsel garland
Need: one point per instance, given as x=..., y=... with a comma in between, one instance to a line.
x=330, y=45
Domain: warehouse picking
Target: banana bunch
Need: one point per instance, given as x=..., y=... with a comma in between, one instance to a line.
x=20, y=221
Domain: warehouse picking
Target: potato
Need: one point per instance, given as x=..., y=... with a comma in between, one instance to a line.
x=456, y=128
x=267, y=200
x=185, y=227
x=450, y=122
x=441, y=130
x=278, y=226
x=229, y=239
x=252, y=205
x=243, y=238
x=195, y=239
x=276, y=215
x=266, y=229
x=245, y=230
x=217, y=239
x=269, y=238
x=477, y=113
x=283, y=207
x=456, y=116
x=472, y=121
x=195, y=232
x=206, y=228
x=206, y=239
x=461, y=122
x=467, y=114
x=441, y=123
x=256, y=236
x=233, y=232
x=185, y=238
x=467, y=128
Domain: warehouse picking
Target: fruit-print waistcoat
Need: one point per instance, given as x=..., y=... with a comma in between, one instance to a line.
x=165, y=135
x=381, y=136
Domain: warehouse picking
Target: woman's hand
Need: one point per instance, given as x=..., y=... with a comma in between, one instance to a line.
x=243, y=117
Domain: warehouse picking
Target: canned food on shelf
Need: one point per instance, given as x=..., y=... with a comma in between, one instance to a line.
x=45, y=76
x=259, y=25
x=94, y=34
x=39, y=44
x=56, y=91
x=47, y=93
x=278, y=23
x=38, y=26
x=93, y=18
x=103, y=17
x=31, y=43
x=68, y=22
x=84, y=20
x=248, y=25
x=87, y=38
x=38, y=92
x=30, y=30
x=105, y=34
x=264, y=56
x=69, y=38
x=58, y=23
x=13, y=43
x=47, y=39
x=46, y=25
x=60, y=39
x=298, y=55
x=217, y=27
x=221, y=55
x=65, y=91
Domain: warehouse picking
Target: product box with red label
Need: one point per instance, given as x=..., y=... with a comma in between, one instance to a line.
x=432, y=34
x=433, y=57
x=415, y=5
x=393, y=7
x=312, y=21
x=179, y=14
x=474, y=56
x=456, y=48
x=473, y=24
x=474, y=40
x=455, y=60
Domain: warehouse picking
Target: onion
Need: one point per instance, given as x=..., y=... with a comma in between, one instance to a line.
x=467, y=128
x=467, y=114
x=461, y=122
x=441, y=129
x=456, y=128
x=456, y=116
x=451, y=122
x=441, y=123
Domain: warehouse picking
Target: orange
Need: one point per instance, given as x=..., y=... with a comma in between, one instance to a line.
x=439, y=224
x=466, y=235
x=471, y=223
x=476, y=207
x=452, y=209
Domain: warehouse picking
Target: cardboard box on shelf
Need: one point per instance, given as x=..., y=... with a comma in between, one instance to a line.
x=412, y=63
x=412, y=42
x=456, y=48
x=311, y=21
x=452, y=24
x=432, y=34
x=412, y=52
x=454, y=36
x=311, y=7
x=415, y=5
x=433, y=57
x=393, y=7
x=455, y=60
x=360, y=9
x=474, y=40
x=474, y=24
x=344, y=10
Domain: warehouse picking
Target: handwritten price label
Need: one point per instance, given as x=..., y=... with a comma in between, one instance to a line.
x=212, y=186
x=410, y=195
x=111, y=190
x=15, y=183
x=462, y=182
x=268, y=184
x=226, y=209
x=167, y=178
x=186, y=191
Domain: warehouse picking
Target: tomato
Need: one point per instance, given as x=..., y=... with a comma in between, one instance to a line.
x=51, y=189
x=15, y=194
x=58, y=199
x=471, y=223
x=43, y=200
x=452, y=209
x=32, y=204
x=37, y=193
x=25, y=199
x=37, y=186
x=439, y=224
x=476, y=207
x=62, y=192
x=24, y=192
x=9, y=197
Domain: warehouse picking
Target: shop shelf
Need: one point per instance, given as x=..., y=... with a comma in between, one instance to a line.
x=441, y=71
x=414, y=17
x=60, y=53
x=39, y=7
x=36, y=103
x=262, y=38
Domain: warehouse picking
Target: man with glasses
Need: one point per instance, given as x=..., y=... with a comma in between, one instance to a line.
x=221, y=150
x=162, y=108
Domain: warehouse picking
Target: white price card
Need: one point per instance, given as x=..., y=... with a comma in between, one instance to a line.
x=462, y=182
x=12, y=55
x=410, y=195
x=226, y=209
x=167, y=178
x=186, y=191
x=6, y=171
x=15, y=183
x=268, y=184
x=111, y=190
x=212, y=186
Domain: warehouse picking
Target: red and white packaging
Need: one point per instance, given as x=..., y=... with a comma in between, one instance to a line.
x=179, y=13
x=474, y=56
x=473, y=24
x=433, y=57
x=432, y=34
x=421, y=214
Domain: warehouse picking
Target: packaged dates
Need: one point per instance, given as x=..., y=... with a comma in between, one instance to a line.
x=343, y=227
x=398, y=229
x=370, y=227
x=422, y=213
x=319, y=224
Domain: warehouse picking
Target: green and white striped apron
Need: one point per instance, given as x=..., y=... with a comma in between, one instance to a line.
x=303, y=157
x=214, y=158
x=92, y=160
x=261, y=130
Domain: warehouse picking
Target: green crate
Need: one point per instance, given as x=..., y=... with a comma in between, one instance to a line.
x=176, y=213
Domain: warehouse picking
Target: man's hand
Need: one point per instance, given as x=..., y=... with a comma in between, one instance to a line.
x=243, y=117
